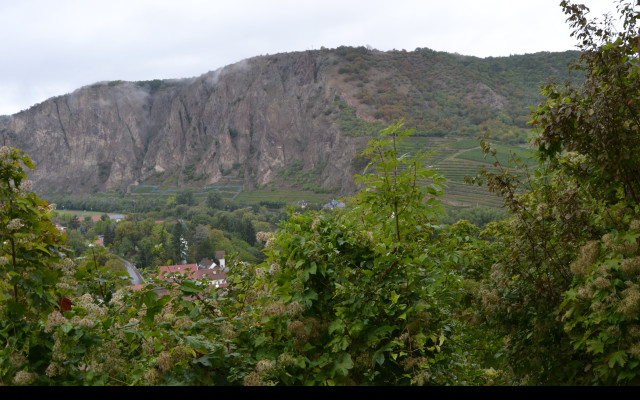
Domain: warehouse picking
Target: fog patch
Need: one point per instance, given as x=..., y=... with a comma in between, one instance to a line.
x=135, y=95
x=212, y=78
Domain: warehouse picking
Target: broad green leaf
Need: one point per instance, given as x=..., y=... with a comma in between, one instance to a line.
x=342, y=365
x=394, y=297
x=378, y=357
x=618, y=357
x=336, y=326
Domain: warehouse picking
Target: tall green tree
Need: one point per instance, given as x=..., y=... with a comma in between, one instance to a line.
x=558, y=292
x=247, y=231
x=360, y=296
x=599, y=120
x=186, y=197
x=109, y=234
x=214, y=200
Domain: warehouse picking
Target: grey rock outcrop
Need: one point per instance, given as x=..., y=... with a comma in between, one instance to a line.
x=248, y=121
x=259, y=114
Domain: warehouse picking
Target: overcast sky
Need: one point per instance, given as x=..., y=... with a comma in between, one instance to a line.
x=50, y=48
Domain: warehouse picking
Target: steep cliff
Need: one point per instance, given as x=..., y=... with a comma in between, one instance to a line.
x=249, y=121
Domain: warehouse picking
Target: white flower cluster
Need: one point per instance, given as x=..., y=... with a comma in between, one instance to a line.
x=53, y=369
x=117, y=300
x=14, y=224
x=266, y=237
x=5, y=156
x=263, y=236
x=25, y=186
x=67, y=280
x=24, y=378
x=294, y=309
x=274, y=268
x=94, y=311
x=55, y=319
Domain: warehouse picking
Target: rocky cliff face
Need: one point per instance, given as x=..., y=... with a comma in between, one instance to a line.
x=248, y=121
x=252, y=118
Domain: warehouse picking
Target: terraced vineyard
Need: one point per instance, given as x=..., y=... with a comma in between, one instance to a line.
x=457, y=159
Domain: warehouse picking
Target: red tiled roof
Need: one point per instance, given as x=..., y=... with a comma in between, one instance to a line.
x=206, y=263
x=191, y=271
x=187, y=269
x=96, y=218
x=209, y=274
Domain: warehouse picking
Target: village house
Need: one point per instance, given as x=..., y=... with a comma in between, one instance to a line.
x=334, y=204
x=214, y=274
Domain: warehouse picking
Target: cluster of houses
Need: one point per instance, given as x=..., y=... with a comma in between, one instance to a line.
x=214, y=273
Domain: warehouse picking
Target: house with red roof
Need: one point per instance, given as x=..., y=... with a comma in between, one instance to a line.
x=214, y=274
x=184, y=269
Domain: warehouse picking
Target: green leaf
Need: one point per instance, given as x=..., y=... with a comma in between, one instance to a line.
x=342, y=365
x=149, y=299
x=618, y=357
x=190, y=286
x=339, y=343
x=378, y=357
x=595, y=346
x=195, y=312
x=394, y=297
x=16, y=310
x=336, y=326
x=259, y=340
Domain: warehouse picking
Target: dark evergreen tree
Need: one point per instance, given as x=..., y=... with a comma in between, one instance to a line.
x=247, y=231
x=109, y=235
x=214, y=200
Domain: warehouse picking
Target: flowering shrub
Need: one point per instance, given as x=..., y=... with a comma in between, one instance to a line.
x=33, y=267
x=68, y=324
x=601, y=310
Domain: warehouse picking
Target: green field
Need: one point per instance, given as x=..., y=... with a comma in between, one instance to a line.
x=288, y=197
